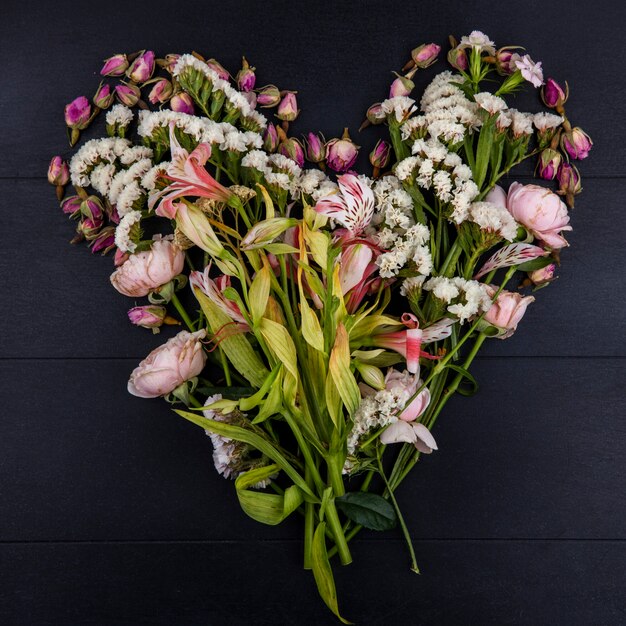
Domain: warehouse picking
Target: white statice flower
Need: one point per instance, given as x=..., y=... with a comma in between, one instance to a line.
x=522, y=123
x=489, y=102
x=411, y=285
x=285, y=164
x=418, y=234
x=479, y=41
x=234, y=141
x=423, y=260
x=546, y=121
x=493, y=218
x=452, y=160
x=442, y=185
x=95, y=152
x=404, y=169
x=425, y=174
x=464, y=298
x=505, y=119
x=148, y=181
x=279, y=179
x=401, y=107
x=119, y=115
x=325, y=189
x=127, y=198
x=125, y=177
x=102, y=176
x=385, y=238
x=390, y=263
x=201, y=129
x=122, y=232
x=418, y=124
x=257, y=160
x=431, y=149
x=135, y=154
x=311, y=180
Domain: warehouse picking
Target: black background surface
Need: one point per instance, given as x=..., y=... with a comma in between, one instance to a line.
x=110, y=509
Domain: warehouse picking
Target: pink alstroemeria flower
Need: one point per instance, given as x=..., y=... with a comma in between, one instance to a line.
x=214, y=289
x=352, y=206
x=189, y=178
x=410, y=432
x=357, y=271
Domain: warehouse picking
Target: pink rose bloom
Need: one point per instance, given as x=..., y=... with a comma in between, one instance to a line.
x=507, y=311
x=146, y=271
x=540, y=210
x=168, y=366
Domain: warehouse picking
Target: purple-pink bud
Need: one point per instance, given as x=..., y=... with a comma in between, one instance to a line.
x=58, y=172
x=292, y=149
x=268, y=96
x=148, y=316
x=576, y=143
x=457, y=57
x=288, y=108
x=544, y=275
x=90, y=228
x=504, y=61
x=270, y=138
x=71, y=205
x=93, y=210
x=375, y=114
x=127, y=94
x=553, y=94
x=182, y=103
x=115, y=65
x=170, y=62
x=315, y=148
x=218, y=68
x=425, y=55
x=142, y=67
x=246, y=77
x=379, y=156
x=549, y=162
x=105, y=241
x=104, y=97
x=77, y=113
x=569, y=179
x=161, y=91
x=401, y=86
x=341, y=153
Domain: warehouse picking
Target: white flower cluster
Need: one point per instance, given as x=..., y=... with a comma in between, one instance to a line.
x=394, y=229
x=546, y=121
x=434, y=167
x=284, y=173
x=493, y=218
x=94, y=152
x=119, y=115
x=465, y=298
x=148, y=182
x=400, y=106
x=489, y=102
x=447, y=113
x=125, y=189
x=234, y=97
x=122, y=233
x=521, y=123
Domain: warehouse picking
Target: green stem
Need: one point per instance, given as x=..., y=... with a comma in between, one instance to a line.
x=181, y=311
x=309, y=523
x=341, y=543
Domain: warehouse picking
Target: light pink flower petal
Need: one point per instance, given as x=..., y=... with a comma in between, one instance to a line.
x=398, y=432
x=424, y=442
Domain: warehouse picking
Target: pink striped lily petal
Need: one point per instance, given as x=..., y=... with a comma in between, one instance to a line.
x=441, y=329
x=513, y=254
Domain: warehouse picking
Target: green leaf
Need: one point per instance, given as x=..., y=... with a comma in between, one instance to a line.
x=535, y=264
x=322, y=571
x=252, y=439
x=311, y=329
x=259, y=293
x=281, y=344
x=267, y=508
x=274, y=401
x=473, y=383
x=339, y=371
x=367, y=509
x=280, y=248
x=247, y=404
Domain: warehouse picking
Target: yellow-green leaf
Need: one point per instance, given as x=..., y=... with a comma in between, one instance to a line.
x=281, y=344
x=259, y=293
x=269, y=203
x=339, y=370
x=311, y=329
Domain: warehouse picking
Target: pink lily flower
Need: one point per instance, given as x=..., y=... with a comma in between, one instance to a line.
x=410, y=432
x=214, y=289
x=355, y=272
x=189, y=178
x=352, y=206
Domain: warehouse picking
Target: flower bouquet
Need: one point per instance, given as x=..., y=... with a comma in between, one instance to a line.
x=328, y=315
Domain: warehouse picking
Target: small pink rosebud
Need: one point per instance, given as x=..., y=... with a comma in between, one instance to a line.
x=246, y=77
x=288, y=108
x=569, y=182
x=270, y=138
x=457, y=57
x=115, y=65
x=401, y=86
x=58, y=172
x=219, y=69
x=505, y=58
x=182, y=103
x=507, y=311
x=379, y=156
x=105, y=241
x=553, y=95
x=104, y=96
x=142, y=67
x=315, y=148
x=341, y=153
x=90, y=228
x=425, y=55
x=544, y=275
x=161, y=91
x=375, y=115
x=170, y=62
x=92, y=209
x=549, y=162
x=128, y=95
x=576, y=143
x=148, y=316
x=292, y=149
x=71, y=205
x=120, y=257
x=77, y=113
x=268, y=96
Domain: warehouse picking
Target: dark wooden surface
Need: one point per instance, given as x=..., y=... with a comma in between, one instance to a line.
x=111, y=512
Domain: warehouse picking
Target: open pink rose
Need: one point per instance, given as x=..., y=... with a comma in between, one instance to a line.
x=541, y=211
x=507, y=311
x=145, y=271
x=168, y=366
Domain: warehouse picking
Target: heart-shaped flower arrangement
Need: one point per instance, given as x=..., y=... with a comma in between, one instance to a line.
x=292, y=359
